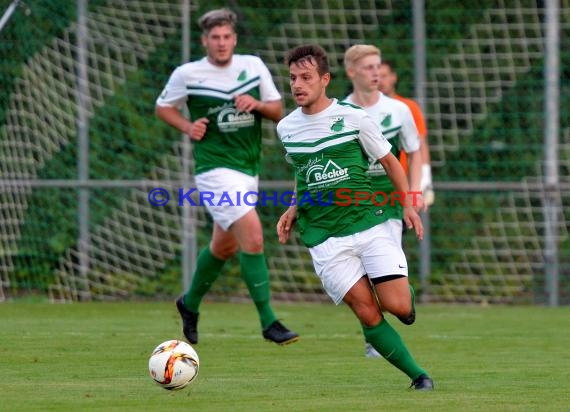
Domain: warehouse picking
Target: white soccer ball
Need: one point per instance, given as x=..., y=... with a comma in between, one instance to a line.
x=173, y=364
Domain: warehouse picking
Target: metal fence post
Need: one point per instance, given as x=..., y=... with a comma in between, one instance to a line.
x=551, y=152
x=189, y=241
x=420, y=94
x=83, y=101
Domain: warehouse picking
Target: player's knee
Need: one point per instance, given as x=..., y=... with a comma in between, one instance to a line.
x=224, y=251
x=254, y=243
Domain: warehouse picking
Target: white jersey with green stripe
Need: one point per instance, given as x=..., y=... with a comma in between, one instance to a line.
x=396, y=123
x=233, y=139
x=330, y=152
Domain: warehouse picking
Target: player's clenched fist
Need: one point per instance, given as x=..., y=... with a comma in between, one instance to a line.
x=197, y=129
x=246, y=103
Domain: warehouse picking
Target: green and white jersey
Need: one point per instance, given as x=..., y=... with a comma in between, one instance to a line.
x=233, y=139
x=330, y=152
x=396, y=123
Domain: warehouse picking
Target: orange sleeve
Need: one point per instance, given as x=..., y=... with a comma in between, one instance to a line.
x=404, y=161
x=416, y=114
x=420, y=125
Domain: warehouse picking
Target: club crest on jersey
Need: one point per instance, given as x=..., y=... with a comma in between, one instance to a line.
x=385, y=119
x=337, y=124
x=242, y=76
x=230, y=120
x=319, y=176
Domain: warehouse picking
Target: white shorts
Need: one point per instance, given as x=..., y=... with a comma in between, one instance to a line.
x=396, y=227
x=341, y=261
x=227, y=191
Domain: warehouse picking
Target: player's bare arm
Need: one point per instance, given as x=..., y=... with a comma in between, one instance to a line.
x=272, y=110
x=415, y=176
x=171, y=115
x=398, y=177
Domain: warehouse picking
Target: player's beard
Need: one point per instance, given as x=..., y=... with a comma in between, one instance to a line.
x=305, y=101
x=222, y=63
x=217, y=60
x=309, y=101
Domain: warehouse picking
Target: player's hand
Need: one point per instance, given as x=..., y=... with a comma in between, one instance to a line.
x=419, y=203
x=246, y=103
x=198, y=129
x=429, y=196
x=414, y=221
x=285, y=224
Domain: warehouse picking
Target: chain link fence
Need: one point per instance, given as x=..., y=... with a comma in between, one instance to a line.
x=484, y=103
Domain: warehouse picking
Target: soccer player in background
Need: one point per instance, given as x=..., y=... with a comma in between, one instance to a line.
x=394, y=120
x=227, y=96
x=387, y=85
x=330, y=144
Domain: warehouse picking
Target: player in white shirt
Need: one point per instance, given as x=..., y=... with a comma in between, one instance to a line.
x=227, y=96
x=394, y=119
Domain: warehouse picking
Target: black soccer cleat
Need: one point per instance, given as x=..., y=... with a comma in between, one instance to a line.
x=278, y=333
x=422, y=383
x=411, y=318
x=189, y=321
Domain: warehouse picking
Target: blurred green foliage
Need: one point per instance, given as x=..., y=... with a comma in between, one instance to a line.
x=126, y=140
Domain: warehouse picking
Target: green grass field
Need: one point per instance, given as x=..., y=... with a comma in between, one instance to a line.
x=94, y=357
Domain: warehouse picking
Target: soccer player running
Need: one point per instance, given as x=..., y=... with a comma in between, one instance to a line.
x=387, y=85
x=394, y=119
x=330, y=144
x=227, y=96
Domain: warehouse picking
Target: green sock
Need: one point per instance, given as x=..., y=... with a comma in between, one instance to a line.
x=256, y=276
x=208, y=268
x=390, y=345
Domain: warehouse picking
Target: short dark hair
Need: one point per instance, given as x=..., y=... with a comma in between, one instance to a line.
x=312, y=53
x=218, y=17
x=389, y=64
